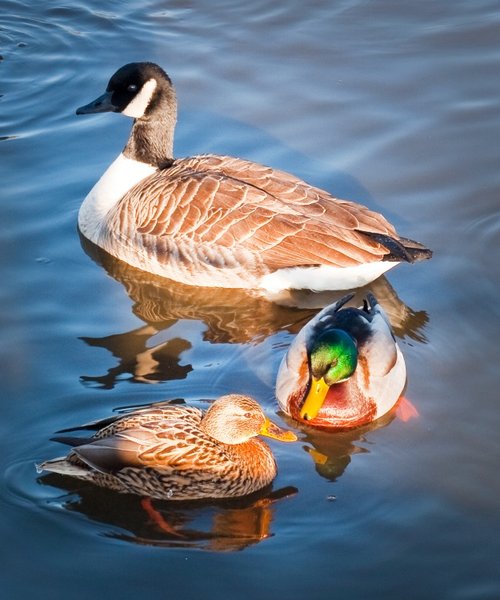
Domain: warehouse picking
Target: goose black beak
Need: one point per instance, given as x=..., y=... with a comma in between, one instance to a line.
x=101, y=104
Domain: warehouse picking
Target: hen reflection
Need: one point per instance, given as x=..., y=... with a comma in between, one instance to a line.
x=229, y=315
x=223, y=526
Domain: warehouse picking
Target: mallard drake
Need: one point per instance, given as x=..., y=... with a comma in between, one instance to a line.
x=343, y=369
x=178, y=452
x=219, y=221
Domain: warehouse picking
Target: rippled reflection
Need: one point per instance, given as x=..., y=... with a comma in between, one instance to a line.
x=331, y=453
x=230, y=316
x=217, y=526
x=142, y=363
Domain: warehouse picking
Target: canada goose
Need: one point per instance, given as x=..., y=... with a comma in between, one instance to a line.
x=220, y=221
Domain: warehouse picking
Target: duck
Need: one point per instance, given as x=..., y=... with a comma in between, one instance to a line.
x=177, y=452
x=344, y=369
x=220, y=221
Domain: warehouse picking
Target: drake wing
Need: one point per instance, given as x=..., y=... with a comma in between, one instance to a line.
x=379, y=349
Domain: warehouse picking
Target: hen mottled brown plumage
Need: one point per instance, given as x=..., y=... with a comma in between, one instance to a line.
x=168, y=451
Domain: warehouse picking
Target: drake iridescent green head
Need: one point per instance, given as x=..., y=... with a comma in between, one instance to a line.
x=343, y=369
x=333, y=358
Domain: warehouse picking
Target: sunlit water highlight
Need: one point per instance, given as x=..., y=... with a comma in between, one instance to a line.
x=391, y=104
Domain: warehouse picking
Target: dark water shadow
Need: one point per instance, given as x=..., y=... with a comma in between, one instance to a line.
x=217, y=526
x=142, y=363
x=230, y=316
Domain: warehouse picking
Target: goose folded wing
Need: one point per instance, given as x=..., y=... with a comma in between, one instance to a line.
x=271, y=215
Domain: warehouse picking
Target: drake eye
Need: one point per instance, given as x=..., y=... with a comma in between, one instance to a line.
x=132, y=88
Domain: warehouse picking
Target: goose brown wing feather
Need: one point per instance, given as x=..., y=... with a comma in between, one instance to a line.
x=232, y=203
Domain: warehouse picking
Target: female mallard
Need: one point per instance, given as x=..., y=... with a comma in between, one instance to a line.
x=177, y=452
x=219, y=221
x=344, y=368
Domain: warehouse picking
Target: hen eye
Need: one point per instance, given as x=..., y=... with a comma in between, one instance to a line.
x=247, y=415
x=132, y=88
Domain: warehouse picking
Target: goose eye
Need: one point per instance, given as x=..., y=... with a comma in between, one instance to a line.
x=132, y=88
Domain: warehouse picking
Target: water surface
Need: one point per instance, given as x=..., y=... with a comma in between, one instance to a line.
x=394, y=104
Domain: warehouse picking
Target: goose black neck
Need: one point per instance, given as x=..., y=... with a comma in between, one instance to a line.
x=151, y=142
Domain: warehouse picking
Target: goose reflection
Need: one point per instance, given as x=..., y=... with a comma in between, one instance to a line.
x=222, y=526
x=143, y=363
x=229, y=316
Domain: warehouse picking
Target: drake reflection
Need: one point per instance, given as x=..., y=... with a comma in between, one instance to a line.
x=331, y=453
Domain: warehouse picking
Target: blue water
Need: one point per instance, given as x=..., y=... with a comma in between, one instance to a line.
x=394, y=104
